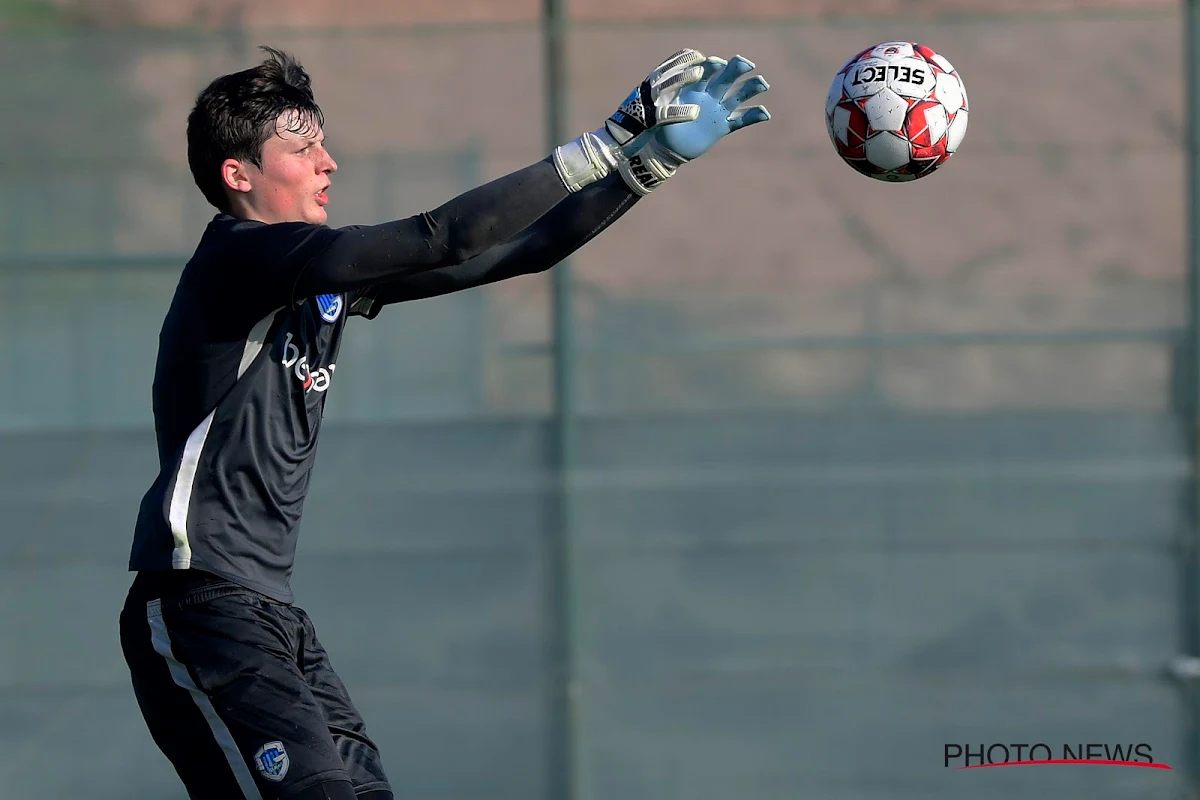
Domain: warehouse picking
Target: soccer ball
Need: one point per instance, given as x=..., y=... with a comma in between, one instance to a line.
x=897, y=111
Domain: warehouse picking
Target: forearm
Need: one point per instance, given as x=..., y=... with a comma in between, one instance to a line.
x=450, y=235
x=568, y=227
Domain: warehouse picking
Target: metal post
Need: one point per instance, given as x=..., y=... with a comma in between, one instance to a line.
x=1191, y=548
x=562, y=757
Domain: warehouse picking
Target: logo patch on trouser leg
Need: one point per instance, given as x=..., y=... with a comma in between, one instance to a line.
x=272, y=761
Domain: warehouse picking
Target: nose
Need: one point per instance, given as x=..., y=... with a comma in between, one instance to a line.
x=325, y=164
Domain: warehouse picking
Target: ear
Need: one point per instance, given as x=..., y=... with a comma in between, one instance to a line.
x=235, y=175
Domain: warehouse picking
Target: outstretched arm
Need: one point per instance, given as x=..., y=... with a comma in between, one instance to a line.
x=581, y=217
x=292, y=261
x=569, y=226
x=450, y=235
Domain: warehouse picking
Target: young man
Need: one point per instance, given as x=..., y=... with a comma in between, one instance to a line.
x=229, y=675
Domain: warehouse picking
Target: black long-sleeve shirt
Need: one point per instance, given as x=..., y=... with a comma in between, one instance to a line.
x=249, y=346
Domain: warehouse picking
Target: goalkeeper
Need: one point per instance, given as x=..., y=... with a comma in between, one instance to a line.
x=228, y=672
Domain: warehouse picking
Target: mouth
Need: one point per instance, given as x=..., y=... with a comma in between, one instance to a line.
x=322, y=197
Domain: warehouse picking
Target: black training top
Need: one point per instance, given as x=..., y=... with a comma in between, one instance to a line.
x=249, y=346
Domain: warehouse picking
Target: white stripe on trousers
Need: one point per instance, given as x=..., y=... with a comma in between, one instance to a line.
x=179, y=673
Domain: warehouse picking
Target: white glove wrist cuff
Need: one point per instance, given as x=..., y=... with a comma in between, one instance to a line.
x=647, y=169
x=587, y=159
x=594, y=155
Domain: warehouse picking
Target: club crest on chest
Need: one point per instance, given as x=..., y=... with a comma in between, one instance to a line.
x=329, y=306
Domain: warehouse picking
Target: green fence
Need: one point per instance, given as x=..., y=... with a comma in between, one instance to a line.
x=791, y=480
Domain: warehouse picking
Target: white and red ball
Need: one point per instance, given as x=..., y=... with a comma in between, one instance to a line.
x=897, y=111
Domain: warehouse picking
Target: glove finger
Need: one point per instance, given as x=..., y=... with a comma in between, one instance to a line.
x=677, y=112
x=751, y=88
x=736, y=68
x=683, y=58
x=751, y=116
x=710, y=67
x=677, y=80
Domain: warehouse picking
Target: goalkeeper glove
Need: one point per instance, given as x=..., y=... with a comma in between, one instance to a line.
x=669, y=147
x=653, y=104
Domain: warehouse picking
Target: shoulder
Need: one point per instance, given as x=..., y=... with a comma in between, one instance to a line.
x=249, y=251
x=260, y=239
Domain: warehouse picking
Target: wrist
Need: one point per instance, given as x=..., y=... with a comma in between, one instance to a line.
x=587, y=159
x=643, y=162
x=649, y=167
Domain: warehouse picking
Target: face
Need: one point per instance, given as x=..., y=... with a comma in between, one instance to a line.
x=292, y=182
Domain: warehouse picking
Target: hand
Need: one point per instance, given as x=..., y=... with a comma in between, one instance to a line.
x=717, y=103
x=670, y=146
x=653, y=104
